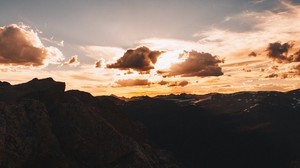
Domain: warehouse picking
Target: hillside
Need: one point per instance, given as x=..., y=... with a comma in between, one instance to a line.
x=42, y=125
x=245, y=129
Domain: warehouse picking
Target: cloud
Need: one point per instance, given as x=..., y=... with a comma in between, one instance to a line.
x=273, y=75
x=197, y=64
x=279, y=52
x=297, y=67
x=141, y=59
x=258, y=1
x=296, y=56
x=20, y=45
x=163, y=82
x=182, y=84
x=99, y=63
x=133, y=82
x=265, y=26
x=252, y=54
x=73, y=61
x=52, y=41
x=107, y=53
x=246, y=70
x=292, y=71
x=170, y=44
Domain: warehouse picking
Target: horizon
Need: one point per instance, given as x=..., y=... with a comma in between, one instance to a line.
x=153, y=96
x=140, y=48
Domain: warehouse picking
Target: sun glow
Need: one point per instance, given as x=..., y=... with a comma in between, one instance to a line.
x=167, y=59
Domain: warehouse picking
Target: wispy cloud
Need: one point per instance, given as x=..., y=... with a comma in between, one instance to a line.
x=133, y=82
x=109, y=54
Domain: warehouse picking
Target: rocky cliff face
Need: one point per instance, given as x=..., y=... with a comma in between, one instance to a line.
x=41, y=125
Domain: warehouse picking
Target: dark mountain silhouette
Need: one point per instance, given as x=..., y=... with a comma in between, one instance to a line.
x=245, y=129
x=42, y=125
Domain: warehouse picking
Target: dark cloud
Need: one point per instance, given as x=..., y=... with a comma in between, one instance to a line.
x=273, y=75
x=73, y=61
x=252, y=54
x=197, y=64
x=247, y=70
x=173, y=84
x=163, y=82
x=296, y=56
x=19, y=45
x=182, y=84
x=99, y=64
x=141, y=59
x=133, y=82
x=279, y=52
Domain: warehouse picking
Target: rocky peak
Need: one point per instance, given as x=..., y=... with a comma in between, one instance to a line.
x=4, y=84
x=45, y=89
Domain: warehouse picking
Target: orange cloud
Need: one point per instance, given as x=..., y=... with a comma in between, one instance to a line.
x=20, y=45
x=133, y=82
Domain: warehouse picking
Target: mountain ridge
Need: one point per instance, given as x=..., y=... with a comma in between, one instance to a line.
x=42, y=125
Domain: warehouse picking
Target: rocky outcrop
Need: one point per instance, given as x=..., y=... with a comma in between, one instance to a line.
x=41, y=125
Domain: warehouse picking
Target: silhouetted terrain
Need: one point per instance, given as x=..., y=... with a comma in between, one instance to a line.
x=41, y=125
x=246, y=129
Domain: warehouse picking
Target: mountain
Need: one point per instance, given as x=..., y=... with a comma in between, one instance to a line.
x=245, y=129
x=42, y=125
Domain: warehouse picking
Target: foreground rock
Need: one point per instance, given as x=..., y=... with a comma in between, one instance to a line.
x=41, y=125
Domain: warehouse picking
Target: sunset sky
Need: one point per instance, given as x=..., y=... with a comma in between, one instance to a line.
x=142, y=47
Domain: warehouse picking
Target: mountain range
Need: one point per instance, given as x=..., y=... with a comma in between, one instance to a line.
x=42, y=125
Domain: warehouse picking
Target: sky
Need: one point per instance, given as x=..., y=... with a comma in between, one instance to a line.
x=141, y=47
